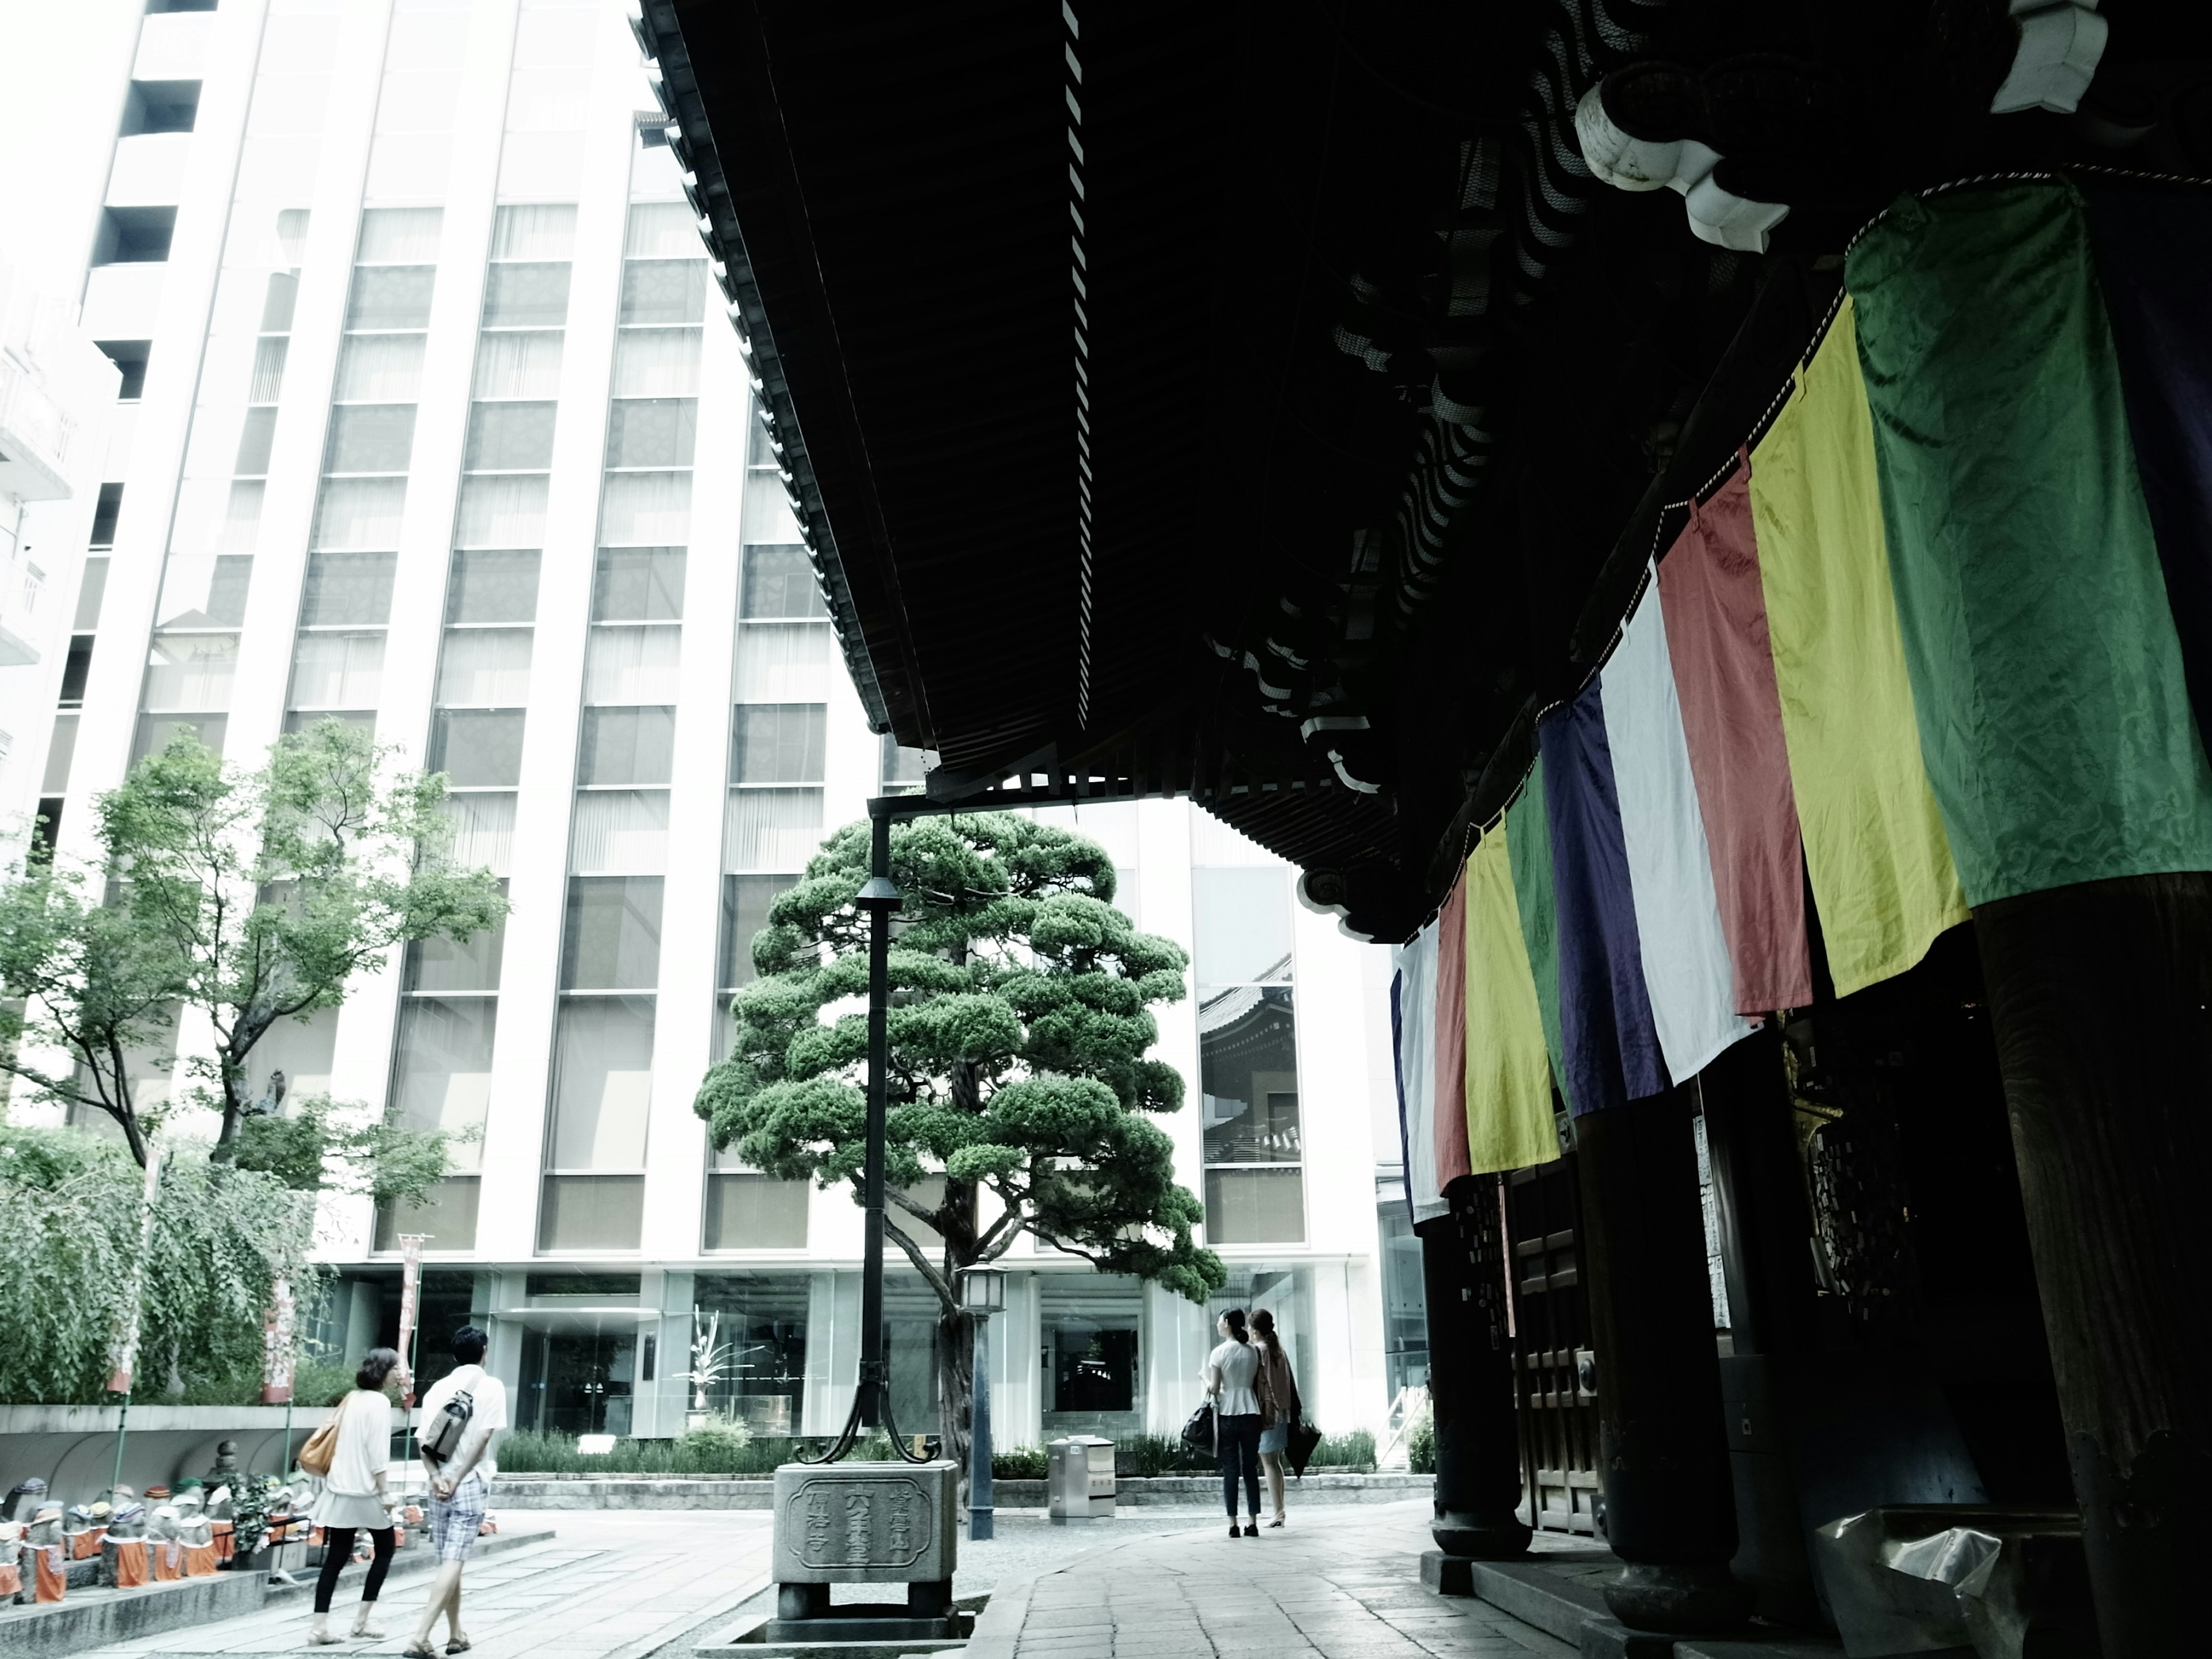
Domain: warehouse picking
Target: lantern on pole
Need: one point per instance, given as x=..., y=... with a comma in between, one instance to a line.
x=983, y=1293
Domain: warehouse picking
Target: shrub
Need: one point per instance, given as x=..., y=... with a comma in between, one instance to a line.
x=1354, y=1451
x=1421, y=1445
x=1023, y=1463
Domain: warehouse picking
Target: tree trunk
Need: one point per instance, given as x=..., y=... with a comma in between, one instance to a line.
x=955, y=1380
x=2098, y=994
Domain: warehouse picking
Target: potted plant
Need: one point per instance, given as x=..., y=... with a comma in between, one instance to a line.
x=710, y=1363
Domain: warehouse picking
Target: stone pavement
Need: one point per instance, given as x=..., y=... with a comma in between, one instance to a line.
x=1343, y=1583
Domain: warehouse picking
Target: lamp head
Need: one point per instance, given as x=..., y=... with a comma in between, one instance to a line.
x=983, y=1289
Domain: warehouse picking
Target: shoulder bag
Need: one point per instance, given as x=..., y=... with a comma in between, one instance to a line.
x=322, y=1447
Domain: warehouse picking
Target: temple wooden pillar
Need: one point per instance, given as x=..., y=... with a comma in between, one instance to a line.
x=1471, y=1384
x=2098, y=994
x=1663, y=1454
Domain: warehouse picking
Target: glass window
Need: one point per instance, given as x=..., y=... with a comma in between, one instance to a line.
x=400, y=235
x=485, y=668
x=278, y=306
x=484, y=830
x=591, y=1212
x=663, y=291
x=189, y=672
x=502, y=510
x=1241, y=923
x=661, y=230
x=603, y=1087
x=772, y=829
x=645, y=509
x=652, y=431
x=449, y=965
x=525, y=296
x=762, y=1319
x=447, y=1214
x=745, y=901
x=91, y=590
x=477, y=748
x=619, y=832
x=1255, y=1206
x=628, y=746
x=488, y=585
x=509, y=437
x=268, y=380
x=443, y=1078
x=519, y=365
x=1087, y=1326
x=1248, y=1061
x=360, y=512
x=613, y=939
x=779, y=581
x=337, y=671
x=785, y=662
x=391, y=297
x=638, y=584
x=657, y=362
x=778, y=743
x=370, y=437
x=633, y=665
x=747, y=1211
x=537, y=231
x=379, y=369
x=344, y=588
x=157, y=731
x=254, y=441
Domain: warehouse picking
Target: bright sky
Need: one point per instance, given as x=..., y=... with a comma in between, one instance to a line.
x=65, y=63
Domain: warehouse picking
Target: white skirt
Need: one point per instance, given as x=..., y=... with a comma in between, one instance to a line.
x=337, y=1509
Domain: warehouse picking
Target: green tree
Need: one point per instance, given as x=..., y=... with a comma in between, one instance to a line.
x=91, y=983
x=251, y=897
x=1019, y=1022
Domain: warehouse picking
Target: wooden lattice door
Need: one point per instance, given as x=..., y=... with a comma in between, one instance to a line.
x=1554, y=1373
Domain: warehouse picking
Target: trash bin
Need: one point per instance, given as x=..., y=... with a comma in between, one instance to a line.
x=1081, y=1478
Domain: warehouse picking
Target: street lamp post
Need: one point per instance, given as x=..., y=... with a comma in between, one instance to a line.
x=983, y=1293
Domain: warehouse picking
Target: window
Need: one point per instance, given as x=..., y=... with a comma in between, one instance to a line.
x=778, y=743
x=130, y=357
x=105, y=512
x=745, y=902
x=526, y=295
x=652, y=432
x=346, y=589
x=491, y=586
x=627, y=747
x=391, y=297
x=510, y=437
x=370, y=438
x=134, y=235
x=1087, y=1326
x=780, y=582
x=638, y=584
x=663, y=291
x=612, y=938
x=254, y=441
x=159, y=106
x=76, y=669
x=1247, y=1056
x=477, y=748
x=749, y=1211
x=762, y=1317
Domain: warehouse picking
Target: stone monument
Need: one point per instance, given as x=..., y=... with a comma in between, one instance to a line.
x=864, y=1523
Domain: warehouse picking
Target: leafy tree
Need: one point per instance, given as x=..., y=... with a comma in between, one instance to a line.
x=1019, y=1028
x=222, y=1237
x=315, y=1145
x=92, y=982
x=265, y=893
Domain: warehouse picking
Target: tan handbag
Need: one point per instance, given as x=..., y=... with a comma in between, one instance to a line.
x=322, y=1447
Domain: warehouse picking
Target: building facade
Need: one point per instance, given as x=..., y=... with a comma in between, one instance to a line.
x=431, y=422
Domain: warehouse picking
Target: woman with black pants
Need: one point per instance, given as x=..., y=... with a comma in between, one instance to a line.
x=353, y=1498
x=1229, y=1373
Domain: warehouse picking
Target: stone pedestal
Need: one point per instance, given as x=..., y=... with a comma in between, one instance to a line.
x=864, y=1523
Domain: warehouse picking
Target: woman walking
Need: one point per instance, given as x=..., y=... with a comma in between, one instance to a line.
x=353, y=1498
x=1278, y=1405
x=1229, y=1373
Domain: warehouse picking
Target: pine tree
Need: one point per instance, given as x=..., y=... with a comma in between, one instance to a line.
x=1020, y=1017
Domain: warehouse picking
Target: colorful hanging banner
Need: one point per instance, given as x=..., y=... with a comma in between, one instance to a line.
x=1687, y=971
x=2054, y=716
x=1716, y=640
x=1605, y=1013
x=1509, y=1066
x=1528, y=839
x=1450, y=1124
x=1417, y=1070
x=1874, y=846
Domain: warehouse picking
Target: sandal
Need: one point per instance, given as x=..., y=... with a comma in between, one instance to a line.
x=459, y=1644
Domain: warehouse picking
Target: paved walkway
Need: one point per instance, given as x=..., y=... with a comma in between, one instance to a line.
x=1344, y=1583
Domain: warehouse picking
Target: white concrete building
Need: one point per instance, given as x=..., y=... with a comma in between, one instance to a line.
x=435, y=423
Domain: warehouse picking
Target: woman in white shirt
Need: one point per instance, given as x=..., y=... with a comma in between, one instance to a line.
x=1229, y=1373
x=353, y=1498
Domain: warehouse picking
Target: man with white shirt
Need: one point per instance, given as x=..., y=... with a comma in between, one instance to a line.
x=460, y=1483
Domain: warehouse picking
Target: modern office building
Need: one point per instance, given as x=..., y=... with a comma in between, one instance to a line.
x=434, y=422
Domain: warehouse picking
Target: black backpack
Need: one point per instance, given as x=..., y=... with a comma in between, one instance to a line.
x=442, y=1434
